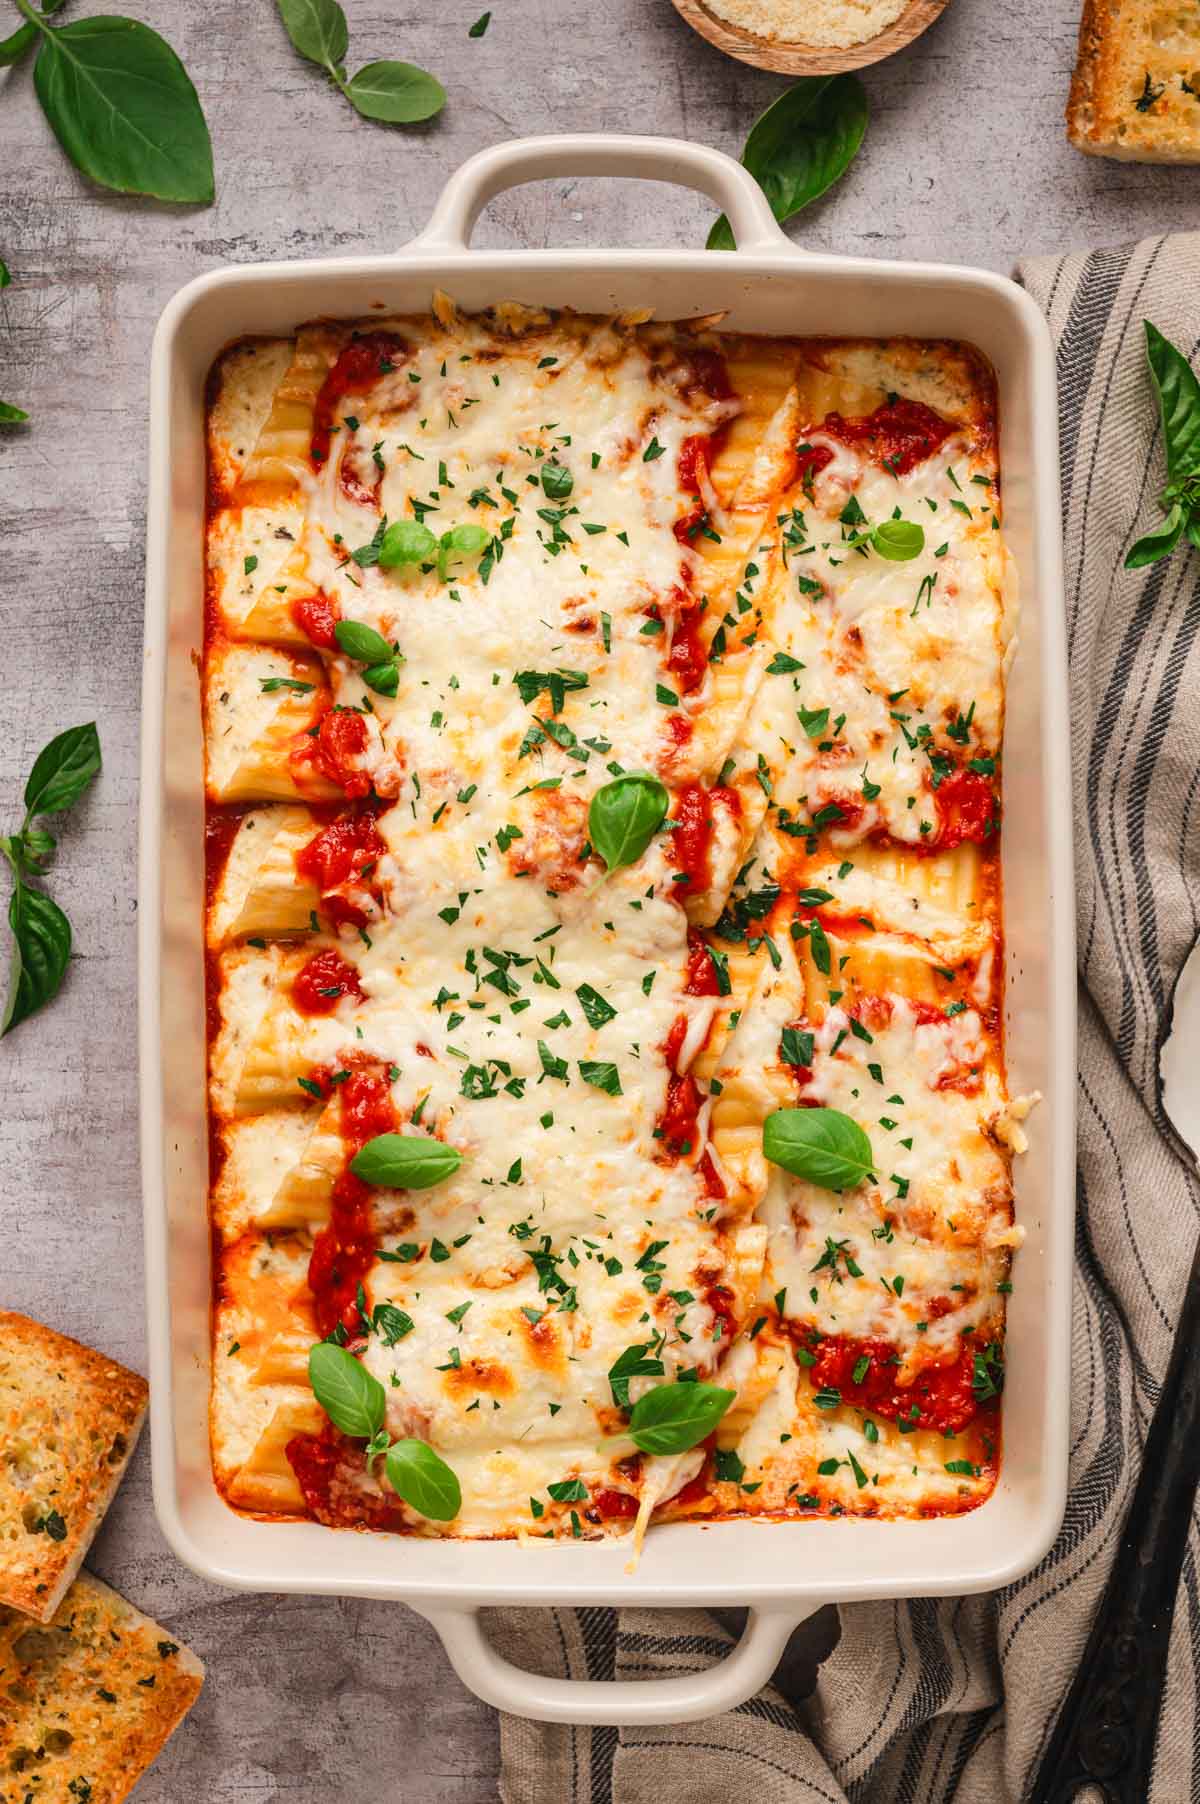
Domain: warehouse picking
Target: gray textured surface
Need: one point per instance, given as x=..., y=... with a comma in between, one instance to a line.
x=310, y=1700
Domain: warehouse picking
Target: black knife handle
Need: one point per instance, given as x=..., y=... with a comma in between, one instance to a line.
x=1108, y=1723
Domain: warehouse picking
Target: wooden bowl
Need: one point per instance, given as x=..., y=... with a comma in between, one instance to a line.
x=803, y=59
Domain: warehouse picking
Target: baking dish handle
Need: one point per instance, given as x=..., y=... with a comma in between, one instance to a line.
x=487, y=174
x=621, y=1703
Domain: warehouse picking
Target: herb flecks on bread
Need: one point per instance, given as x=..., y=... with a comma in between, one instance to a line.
x=69, y=1419
x=1136, y=89
x=88, y=1700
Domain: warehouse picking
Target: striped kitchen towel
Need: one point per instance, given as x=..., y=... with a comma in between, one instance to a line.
x=933, y=1700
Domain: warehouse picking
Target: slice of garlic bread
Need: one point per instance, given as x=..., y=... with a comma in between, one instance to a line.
x=1135, y=94
x=69, y=1419
x=88, y=1700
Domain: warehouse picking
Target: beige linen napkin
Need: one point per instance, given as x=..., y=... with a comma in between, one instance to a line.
x=933, y=1700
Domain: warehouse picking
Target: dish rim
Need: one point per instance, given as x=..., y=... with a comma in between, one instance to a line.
x=448, y=1589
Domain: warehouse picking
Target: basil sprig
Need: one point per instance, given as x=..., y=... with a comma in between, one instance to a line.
x=405, y=1161
x=120, y=103
x=467, y=540
x=395, y=93
x=897, y=540
x=41, y=932
x=407, y=542
x=822, y=1145
x=673, y=1417
x=624, y=816
x=801, y=145
x=411, y=542
x=416, y=1473
x=1178, y=394
x=356, y=1402
x=368, y=647
x=353, y=1400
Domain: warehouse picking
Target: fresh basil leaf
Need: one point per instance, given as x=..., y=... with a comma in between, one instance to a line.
x=13, y=48
x=603, y=1075
x=597, y=1009
x=12, y=416
x=269, y=685
x=1178, y=394
x=634, y=1362
x=407, y=542
x=5, y=277
x=426, y=1482
x=41, y=950
x=796, y=1047
x=405, y=1161
x=1158, y=544
x=673, y=1417
x=36, y=845
x=557, y=481
x=318, y=30
x=480, y=26
x=467, y=540
x=122, y=106
x=822, y=1145
x=624, y=816
x=353, y=1400
x=62, y=770
x=395, y=93
x=362, y=643
x=801, y=145
x=899, y=540
x=384, y=679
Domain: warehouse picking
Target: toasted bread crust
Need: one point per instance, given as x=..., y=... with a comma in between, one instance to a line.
x=1135, y=93
x=69, y=1420
x=87, y=1701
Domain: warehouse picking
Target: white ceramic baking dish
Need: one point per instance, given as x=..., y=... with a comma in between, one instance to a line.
x=783, y=1571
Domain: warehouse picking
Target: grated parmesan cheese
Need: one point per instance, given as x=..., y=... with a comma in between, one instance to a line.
x=825, y=24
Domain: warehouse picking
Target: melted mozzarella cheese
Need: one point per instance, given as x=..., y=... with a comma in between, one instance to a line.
x=891, y=654
x=521, y=1003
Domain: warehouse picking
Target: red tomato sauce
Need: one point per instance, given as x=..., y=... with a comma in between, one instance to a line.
x=322, y=983
x=357, y=368
x=810, y=461
x=850, y=809
x=713, y=1184
x=344, y=1251
x=696, y=456
x=621, y=1504
x=701, y=972
x=341, y=738
x=676, y=1127
x=687, y=661
x=941, y=1395
x=329, y=1470
x=342, y=854
x=691, y=841
x=679, y=730
x=968, y=808
x=720, y=1301
x=899, y=435
x=316, y=616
